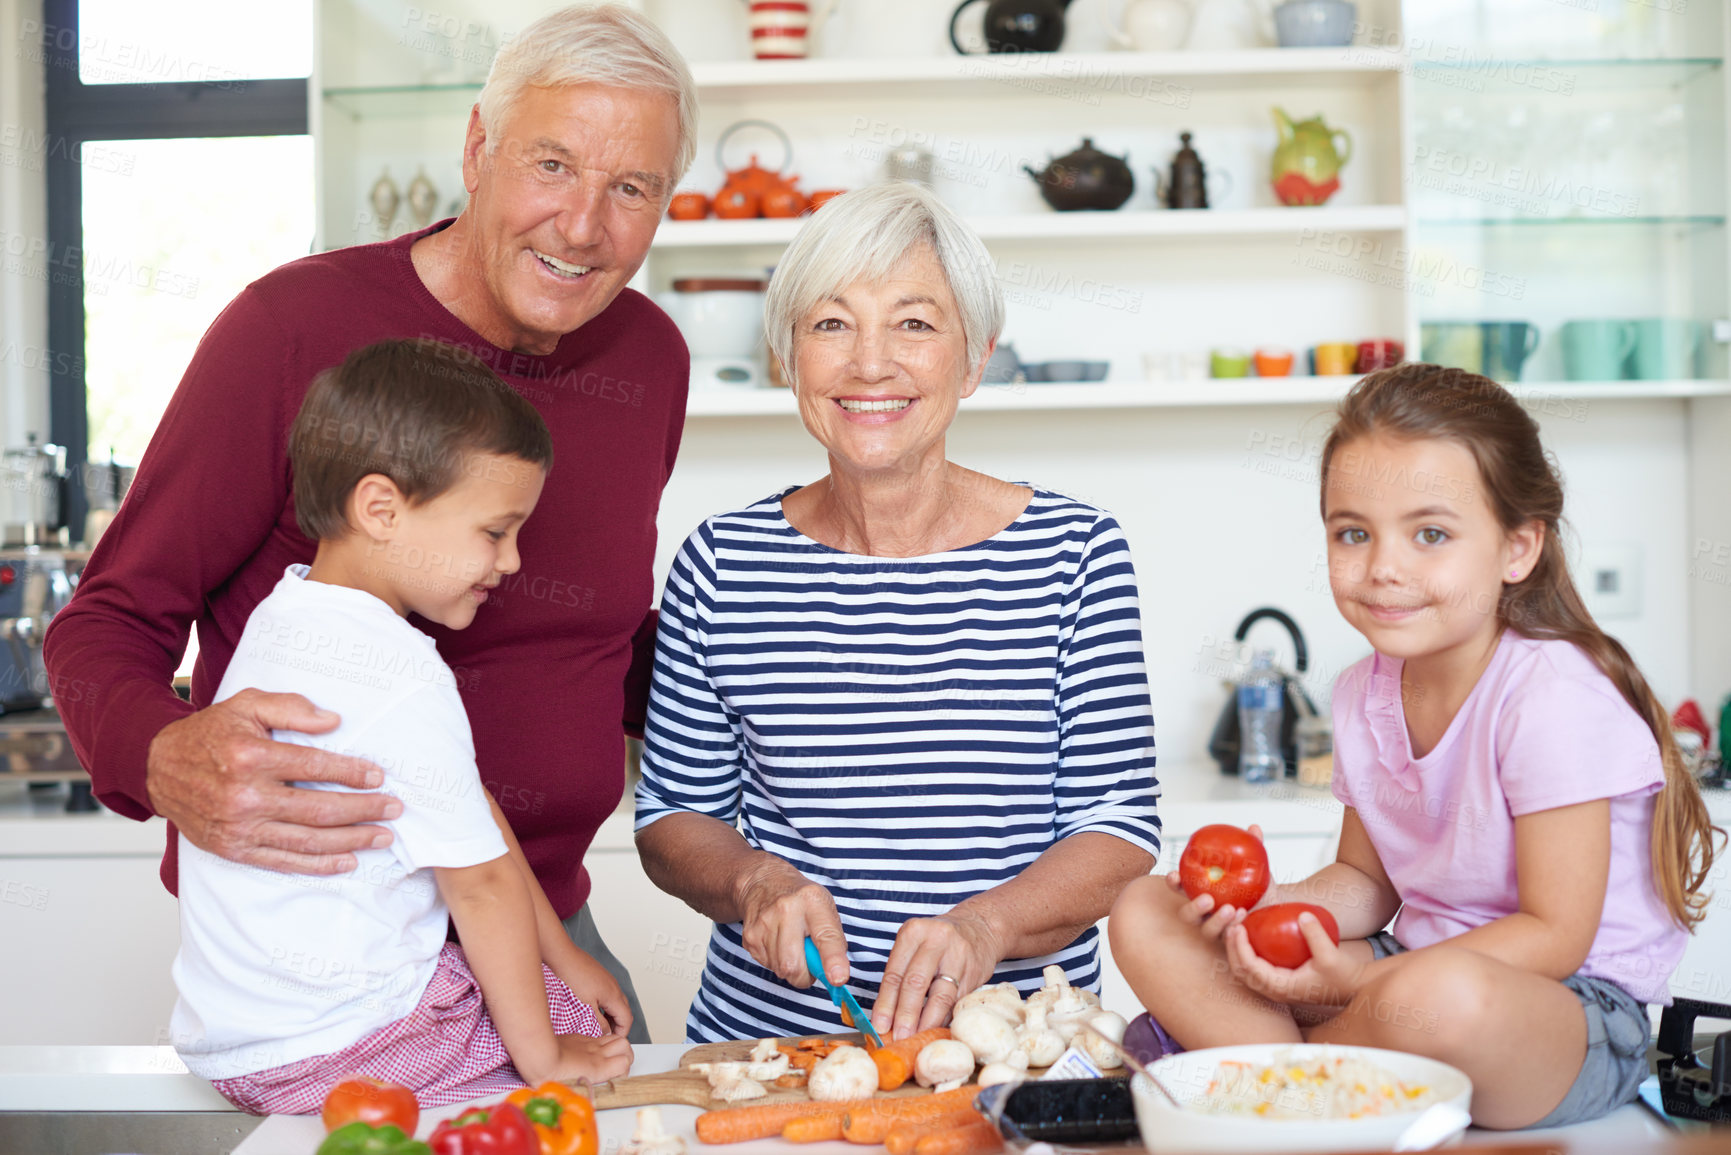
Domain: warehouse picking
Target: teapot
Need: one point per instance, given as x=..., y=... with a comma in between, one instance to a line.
x=1017, y=25
x=1306, y=168
x=1153, y=25
x=1231, y=25
x=1085, y=179
x=1187, y=187
x=753, y=190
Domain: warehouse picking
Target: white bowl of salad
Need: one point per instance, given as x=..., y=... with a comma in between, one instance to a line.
x=1295, y=1097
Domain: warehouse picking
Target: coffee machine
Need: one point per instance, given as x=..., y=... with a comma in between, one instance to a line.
x=34, y=583
x=34, y=586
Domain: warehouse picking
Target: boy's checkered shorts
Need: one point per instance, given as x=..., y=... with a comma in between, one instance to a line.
x=446, y=1050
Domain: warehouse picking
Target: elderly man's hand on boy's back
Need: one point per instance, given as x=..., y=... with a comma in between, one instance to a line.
x=219, y=776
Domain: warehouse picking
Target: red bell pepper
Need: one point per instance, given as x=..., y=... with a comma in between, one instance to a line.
x=501, y=1129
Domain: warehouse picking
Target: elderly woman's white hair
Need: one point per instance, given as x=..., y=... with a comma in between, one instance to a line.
x=869, y=235
x=592, y=44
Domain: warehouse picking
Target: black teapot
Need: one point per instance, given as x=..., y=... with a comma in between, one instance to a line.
x=1187, y=187
x=1017, y=25
x=1085, y=179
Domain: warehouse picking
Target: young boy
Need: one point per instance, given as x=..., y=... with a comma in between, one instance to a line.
x=414, y=467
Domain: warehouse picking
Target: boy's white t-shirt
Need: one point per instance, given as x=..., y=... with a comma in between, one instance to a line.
x=274, y=967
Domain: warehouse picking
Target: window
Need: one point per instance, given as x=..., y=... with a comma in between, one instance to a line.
x=182, y=172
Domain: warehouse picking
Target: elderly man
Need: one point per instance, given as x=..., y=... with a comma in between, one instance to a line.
x=585, y=126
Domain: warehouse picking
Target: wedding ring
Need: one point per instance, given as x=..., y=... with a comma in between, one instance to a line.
x=947, y=979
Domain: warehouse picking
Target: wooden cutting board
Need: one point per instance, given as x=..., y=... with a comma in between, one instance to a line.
x=692, y=1087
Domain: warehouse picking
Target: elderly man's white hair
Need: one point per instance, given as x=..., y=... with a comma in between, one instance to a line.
x=869, y=235
x=604, y=44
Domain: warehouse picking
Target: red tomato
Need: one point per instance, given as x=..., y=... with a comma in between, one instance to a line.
x=1274, y=933
x=371, y=1101
x=1226, y=862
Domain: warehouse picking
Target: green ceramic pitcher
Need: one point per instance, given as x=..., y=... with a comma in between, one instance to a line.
x=1307, y=162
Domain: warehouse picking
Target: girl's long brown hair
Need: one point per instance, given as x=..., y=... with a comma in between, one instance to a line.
x=1522, y=485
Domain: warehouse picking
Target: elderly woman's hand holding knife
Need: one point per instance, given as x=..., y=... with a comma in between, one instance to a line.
x=902, y=710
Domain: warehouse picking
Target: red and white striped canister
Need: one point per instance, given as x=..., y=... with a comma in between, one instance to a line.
x=778, y=29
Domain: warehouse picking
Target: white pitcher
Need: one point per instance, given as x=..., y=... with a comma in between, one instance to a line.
x=1153, y=25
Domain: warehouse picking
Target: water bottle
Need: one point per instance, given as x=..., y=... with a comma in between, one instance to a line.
x=1260, y=708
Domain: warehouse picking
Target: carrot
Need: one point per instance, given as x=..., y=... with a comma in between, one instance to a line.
x=762, y=1121
x=804, y=1060
x=791, y=1080
x=972, y=1139
x=811, y=1044
x=896, y=1060
x=813, y=1128
x=871, y=1121
x=904, y=1135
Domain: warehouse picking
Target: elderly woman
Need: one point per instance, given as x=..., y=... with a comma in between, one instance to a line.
x=902, y=710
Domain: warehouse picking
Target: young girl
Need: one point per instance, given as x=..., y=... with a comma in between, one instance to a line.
x=1510, y=783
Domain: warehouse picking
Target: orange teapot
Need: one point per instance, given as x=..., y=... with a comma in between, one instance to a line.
x=755, y=191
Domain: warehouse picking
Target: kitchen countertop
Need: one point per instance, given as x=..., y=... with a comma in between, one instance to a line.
x=36, y=825
x=98, y=1079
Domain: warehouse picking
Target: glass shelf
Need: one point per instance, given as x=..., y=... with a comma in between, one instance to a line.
x=404, y=99
x=1557, y=77
x=1697, y=221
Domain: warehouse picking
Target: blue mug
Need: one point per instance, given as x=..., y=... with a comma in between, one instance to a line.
x=1668, y=349
x=1507, y=345
x=1597, y=350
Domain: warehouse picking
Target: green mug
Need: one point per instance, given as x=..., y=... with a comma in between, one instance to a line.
x=1456, y=344
x=1597, y=350
x=1667, y=349
x=1229, y=363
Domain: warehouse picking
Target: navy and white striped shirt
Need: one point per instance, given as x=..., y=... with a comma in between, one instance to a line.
x=906, y=732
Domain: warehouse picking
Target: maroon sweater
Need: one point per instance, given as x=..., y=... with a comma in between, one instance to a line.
x=555, y=661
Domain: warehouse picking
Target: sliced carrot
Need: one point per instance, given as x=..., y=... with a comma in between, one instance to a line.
x=804, y=1060
x=973, y=1139
x=811, y=1044
x=871, y=1122
x=896, y=1060
x=790, y=1081
x=903, y=1135
x=763, y=1120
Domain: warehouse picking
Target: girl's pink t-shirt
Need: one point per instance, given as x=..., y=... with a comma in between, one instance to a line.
x=1543, y=728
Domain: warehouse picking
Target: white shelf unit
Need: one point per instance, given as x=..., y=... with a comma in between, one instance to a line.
x=1237, y=391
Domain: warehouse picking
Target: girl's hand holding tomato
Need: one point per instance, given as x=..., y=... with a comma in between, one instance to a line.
x=1329, y=975
x=1226, y=862
x=1219, y=902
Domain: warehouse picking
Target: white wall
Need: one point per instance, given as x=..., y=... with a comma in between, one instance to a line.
x=23, y=228
x=1220, y=507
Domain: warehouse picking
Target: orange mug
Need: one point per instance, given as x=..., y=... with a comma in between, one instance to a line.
x=1273, y=362
x=1336, y=358
x=688, y=206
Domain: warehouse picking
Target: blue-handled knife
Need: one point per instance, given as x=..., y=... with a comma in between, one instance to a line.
x=840, y=996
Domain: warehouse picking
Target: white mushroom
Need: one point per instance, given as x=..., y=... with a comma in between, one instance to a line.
x=985, y=1032
x=847, y=1073
x=733, y=1090
x=1056, y=984
x=994, y=1073
x=767, y=1064
x=1003, y=998
x=944, y=1064
x=1105, y=1055
x=650, y=1139
x=1040, y=1043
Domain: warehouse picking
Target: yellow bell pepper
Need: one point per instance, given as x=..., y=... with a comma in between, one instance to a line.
x=564, y=1119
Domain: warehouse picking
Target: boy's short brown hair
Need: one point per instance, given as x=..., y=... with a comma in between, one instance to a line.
x=412, y=410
